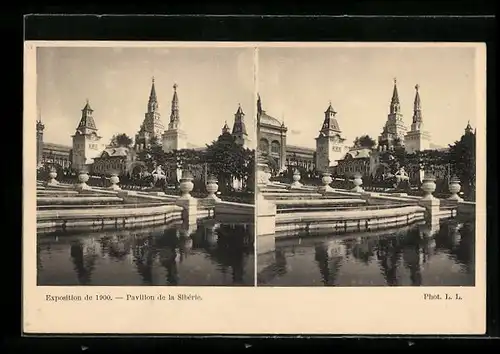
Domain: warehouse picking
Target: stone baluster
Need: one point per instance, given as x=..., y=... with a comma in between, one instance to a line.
x=296, y=178
x=212, y=188
x=326, y=180
x=428, y=201
x=358, y=181
x=454, y=187
x=186, y=200
x=83, y=178
x=428, y=187
x=114, y=179
x=52, y=178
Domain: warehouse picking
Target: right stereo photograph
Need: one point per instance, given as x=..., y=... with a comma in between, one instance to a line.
x=366, y=165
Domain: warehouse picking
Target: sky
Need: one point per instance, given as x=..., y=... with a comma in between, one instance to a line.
x=296, y=84
x=117, y=82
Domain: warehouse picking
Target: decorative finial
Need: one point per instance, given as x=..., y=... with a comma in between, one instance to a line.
x=175, y=87
x=153, y=79
x=330, y=102
x=417, y=86
x=395, y=81
x=87, y=100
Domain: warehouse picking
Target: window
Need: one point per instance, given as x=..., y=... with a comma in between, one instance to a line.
x=263, y=145
x=275, y=147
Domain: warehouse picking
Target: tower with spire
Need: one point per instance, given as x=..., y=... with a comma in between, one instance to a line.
x=174, y=137
x=39, y=139
x=395, y=128
x=239, y=128
x=417, y=139
x=152, y=126
x=86, y=142
x=330, y=145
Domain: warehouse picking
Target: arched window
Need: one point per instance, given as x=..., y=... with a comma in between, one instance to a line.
x=264, y=145
x=275, y=147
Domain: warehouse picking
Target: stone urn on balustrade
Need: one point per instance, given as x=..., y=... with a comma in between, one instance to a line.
x=52, y=177
x=83, y=178
x=114, y=179
x=358, y=181
x=428, y=187
x=262, y=174
x=296, y=178
x=186, y=185
x=454, y=187
x=212, y=188
x=326, y=179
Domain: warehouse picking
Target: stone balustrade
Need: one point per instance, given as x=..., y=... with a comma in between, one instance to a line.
x=349, y=220
x=99, y=219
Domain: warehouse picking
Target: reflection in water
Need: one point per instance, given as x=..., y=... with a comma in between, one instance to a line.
x=209, y=253
x=441, y=255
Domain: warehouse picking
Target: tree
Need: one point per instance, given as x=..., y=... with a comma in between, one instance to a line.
x=152, y=156
x=154, y=140
x=462, y=157
x=364, y=141
x=227, y=160
x=121, y=140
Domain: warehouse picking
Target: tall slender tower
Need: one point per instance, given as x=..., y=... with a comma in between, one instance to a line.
x=174, y=138
x=39, y=140
x=329, y=143
x=239, y=128
x=86, y=142
x=395, y=128
x=152, y=126
x=417, y=138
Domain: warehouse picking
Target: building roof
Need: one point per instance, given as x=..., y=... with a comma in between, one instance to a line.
x=267, y=119
x=116, y=151
x=358, y=153
x=58, y=147
x=301, y=149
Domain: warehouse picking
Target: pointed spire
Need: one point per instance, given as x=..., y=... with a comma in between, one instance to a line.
x=240, y=111
x=174, y=113
x=395, y=104
x=417, y=107
x=39, y=124
x=225, y=128
x=239, y=122
x=330, y=108
x=330, y=122
x=416, y=103
x=86, y=121
x=259, y=105
x=153, y=100
x=468, y=128
x=87, y=106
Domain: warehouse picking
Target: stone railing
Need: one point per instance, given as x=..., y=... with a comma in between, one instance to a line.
x=100, y=219
x=349, y=220
x=142, y=210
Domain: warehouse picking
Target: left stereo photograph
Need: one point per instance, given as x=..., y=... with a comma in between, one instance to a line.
x=144, y=166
